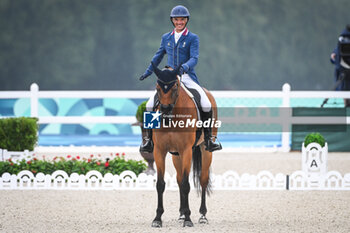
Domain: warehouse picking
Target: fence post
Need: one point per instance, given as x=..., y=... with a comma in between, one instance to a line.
x=286, y=116
x=34, y=100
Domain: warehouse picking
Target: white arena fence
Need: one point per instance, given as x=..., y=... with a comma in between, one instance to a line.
x=313, y=176
x=127, y=180
x=285, y=94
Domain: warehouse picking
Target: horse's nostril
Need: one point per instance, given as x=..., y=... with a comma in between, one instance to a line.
x=166, y=108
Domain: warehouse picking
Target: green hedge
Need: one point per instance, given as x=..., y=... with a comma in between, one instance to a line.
x=18, y=134
x=140, y=110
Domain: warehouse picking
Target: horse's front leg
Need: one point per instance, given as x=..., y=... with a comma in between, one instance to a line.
x=159, y=157
x=178, y=166
x=185, y=187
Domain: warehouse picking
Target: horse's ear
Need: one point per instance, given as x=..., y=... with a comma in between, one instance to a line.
x=155, y=68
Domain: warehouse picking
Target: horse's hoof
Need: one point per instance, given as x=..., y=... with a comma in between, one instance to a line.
x=181, y=219
x=188, y=223
x=203, y=220
x=157, y=223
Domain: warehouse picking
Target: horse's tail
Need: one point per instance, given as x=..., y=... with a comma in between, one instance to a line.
x=197, y=169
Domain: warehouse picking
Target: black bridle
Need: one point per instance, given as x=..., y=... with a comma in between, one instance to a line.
x=168, y=108
x=166, y=80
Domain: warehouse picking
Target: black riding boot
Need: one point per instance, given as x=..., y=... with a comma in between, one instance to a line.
x=210, y=143
x=147, y=143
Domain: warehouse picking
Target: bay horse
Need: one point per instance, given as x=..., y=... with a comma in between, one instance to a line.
x=173, y=100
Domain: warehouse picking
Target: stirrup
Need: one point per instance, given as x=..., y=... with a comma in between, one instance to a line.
x=147, y=146
x=211, y=146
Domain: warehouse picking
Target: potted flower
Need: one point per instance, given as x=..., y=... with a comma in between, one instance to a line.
x=147, y=156
x=18, y=138
x=314, y=138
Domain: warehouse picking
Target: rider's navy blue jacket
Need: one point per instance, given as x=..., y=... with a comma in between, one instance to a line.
x=185, y=52
x=336, y=62
x=345, y=33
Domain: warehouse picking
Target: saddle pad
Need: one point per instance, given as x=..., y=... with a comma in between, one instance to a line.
x=194, y=95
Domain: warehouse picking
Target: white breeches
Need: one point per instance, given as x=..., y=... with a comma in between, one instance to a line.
x=186, y=79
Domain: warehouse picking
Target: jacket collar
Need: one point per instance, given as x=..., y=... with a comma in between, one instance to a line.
x=183, y=34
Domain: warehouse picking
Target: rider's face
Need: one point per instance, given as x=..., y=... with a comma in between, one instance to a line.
x=179, y=23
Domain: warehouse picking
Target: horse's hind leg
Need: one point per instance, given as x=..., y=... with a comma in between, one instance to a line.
x=204, y=180
x=160, y=162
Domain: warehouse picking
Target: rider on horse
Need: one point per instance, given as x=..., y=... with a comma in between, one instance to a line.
x=340, y=57
x=182, y=48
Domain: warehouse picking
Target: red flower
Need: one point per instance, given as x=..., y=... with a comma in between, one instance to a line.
x=106, y=164
x=35, y=159
x=33, y=171
x=68, y=156
x=10, y=160
x=123, y=153
x=89, y=160
x=91, y=155
x=11, y=164
x=74, y=159
x=116, y=154
x=55, y=158
x=98, y=163
x=78, y=157
x=29, y=162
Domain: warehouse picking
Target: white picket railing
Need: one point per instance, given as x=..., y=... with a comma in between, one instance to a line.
x=128, y=180
x=313, y=176
x=285, y=94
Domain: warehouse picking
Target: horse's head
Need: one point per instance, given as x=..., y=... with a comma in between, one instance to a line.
x=167, y=88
